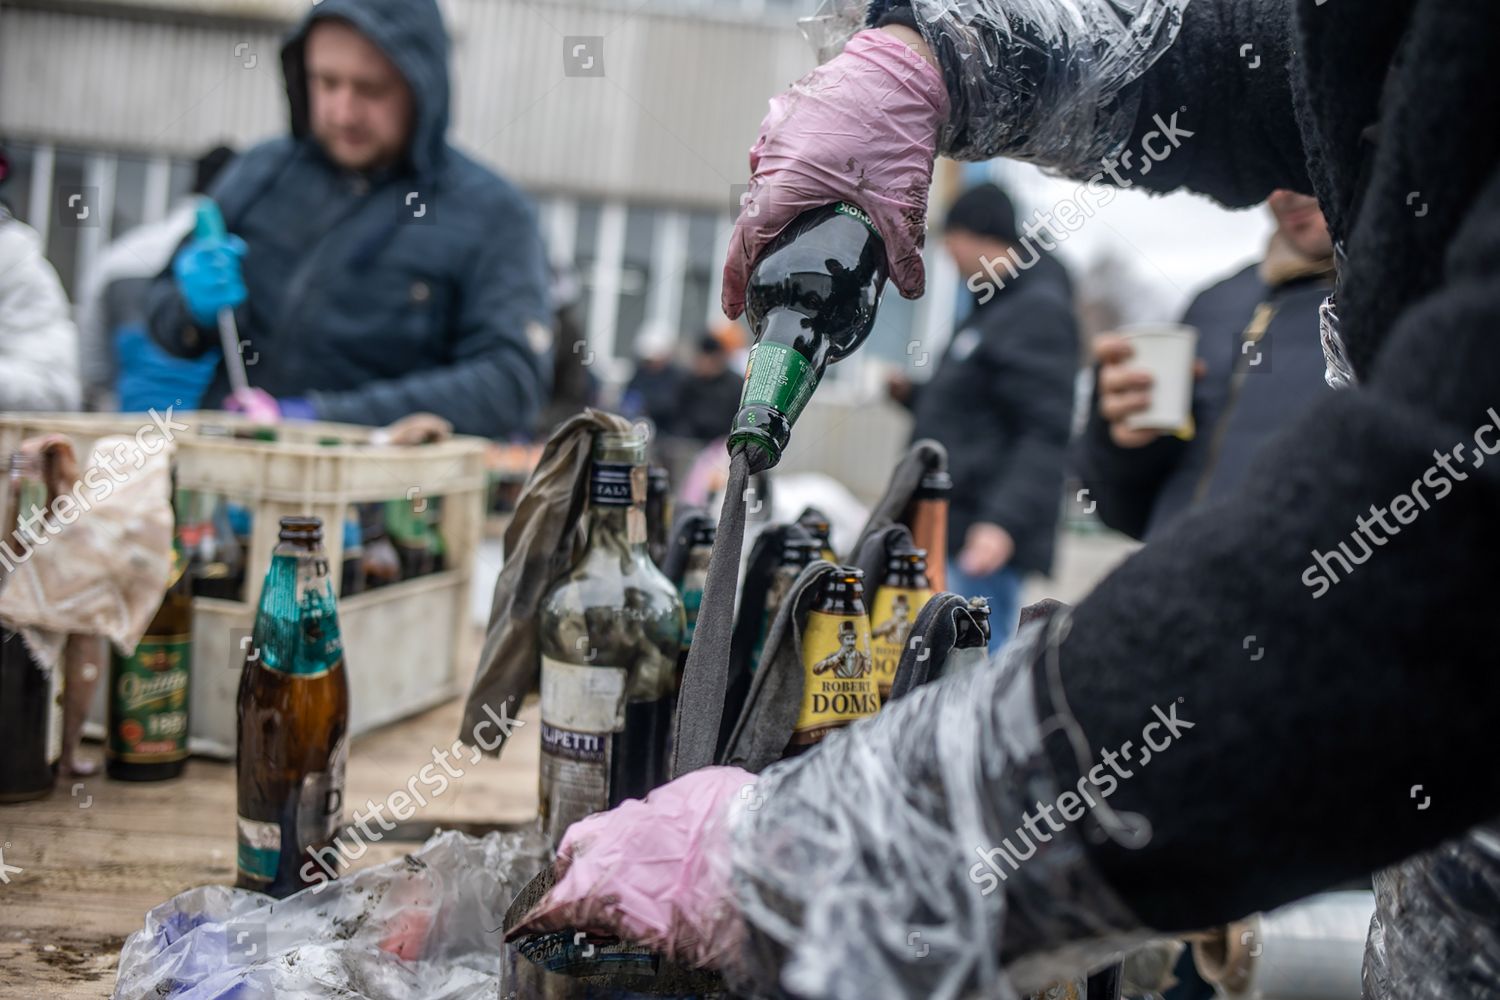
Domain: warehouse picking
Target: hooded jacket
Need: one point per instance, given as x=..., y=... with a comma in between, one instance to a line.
x=422, y=286
x=1001, y=403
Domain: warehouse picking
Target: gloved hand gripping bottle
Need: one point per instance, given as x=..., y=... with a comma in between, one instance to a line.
x=810, y=301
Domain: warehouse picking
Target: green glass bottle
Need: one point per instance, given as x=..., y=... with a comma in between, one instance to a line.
x=810, y=301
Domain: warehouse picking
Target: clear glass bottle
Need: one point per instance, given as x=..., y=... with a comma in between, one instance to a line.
x=609, y=630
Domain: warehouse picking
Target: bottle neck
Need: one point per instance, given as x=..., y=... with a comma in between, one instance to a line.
x=617, y=510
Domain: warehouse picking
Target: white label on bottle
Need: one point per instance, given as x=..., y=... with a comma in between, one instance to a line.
x=583, y=698
x=320, y=805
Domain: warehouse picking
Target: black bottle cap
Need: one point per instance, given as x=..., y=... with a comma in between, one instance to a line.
x=934, y=485
x=906, y=558
x=300, y=528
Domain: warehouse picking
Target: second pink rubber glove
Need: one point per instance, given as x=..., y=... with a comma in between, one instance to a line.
x=654, y=871
x=860, y=128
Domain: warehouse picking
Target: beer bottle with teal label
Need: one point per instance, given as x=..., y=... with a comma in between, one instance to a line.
x=293, y=721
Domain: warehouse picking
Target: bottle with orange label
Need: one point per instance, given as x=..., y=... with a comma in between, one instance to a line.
x=838, y=673
x=894, y=610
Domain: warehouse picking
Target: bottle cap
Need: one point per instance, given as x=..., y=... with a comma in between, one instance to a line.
x=301, y=528
x=934, y=485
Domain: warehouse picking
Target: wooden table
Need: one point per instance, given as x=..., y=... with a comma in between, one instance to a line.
x=98, y=854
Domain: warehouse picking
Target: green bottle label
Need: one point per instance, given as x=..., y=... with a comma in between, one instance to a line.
x=149, y=701
x=857, y=213
x=778, y=377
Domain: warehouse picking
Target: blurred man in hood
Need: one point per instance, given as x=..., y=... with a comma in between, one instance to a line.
x=373, y=269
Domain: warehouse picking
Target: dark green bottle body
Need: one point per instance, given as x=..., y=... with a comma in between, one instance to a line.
x=810, y=301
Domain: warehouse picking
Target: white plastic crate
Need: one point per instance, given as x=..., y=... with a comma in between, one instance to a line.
x=401, y=641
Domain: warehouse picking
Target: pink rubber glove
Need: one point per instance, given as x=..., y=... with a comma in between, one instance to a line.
x=654, y=872
x=257, y=404
x=860, y=128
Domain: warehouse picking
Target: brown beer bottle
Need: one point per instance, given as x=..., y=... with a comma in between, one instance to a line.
x=30, y=698
x=838, y=675
x=658, y=513
x=293, y=719
x=816, y=523
x=148, y=690
x=894, y=611
x=927, y=517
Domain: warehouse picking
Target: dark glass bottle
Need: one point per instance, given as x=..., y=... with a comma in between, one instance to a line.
x=216, y=561
x=352, y=570
x=149, y=690
x=797, y=552
x=820, y=527
x=695, y=574
x=927, y=517
x=838, y=674
x=609, y=632
x=658, y=513
x=974, y=628
x=293, y=721
x=898, y=601
x=810, y=301
x=30, y=697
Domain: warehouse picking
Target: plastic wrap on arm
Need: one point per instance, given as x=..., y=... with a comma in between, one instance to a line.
x=876, y=865
x=1048, y=81
x=1433, y=936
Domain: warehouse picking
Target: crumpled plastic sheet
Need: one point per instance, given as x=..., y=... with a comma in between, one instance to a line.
x=1434, y=935
x=858, y=866
x=423, y=927
x=1047, y=81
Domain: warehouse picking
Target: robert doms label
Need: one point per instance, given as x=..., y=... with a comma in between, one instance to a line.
x=838, y=675
x=890, y=629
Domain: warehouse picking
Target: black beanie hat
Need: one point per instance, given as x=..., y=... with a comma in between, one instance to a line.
x=984, y=210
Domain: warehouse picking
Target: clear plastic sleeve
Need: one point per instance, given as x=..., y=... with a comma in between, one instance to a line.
x=1047, y=81
x=860, y=868
x=1434, y=936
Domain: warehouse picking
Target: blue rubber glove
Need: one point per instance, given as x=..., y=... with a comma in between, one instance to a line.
x=208, y=276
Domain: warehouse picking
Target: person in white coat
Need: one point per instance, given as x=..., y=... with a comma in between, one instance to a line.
x=38, y=341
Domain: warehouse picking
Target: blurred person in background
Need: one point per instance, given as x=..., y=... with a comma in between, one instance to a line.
x=574, y=385
x=710, y=392
x=374, y=270
x=38, y=341
x=123, y=368
x=1001, y=402
x=652, y=391
x=1260, y=367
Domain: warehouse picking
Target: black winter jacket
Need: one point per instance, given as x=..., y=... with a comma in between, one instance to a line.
x=1318, y=707
x=1001, y=402
x=1264, y=369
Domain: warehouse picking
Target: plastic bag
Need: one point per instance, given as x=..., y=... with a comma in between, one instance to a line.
x=1048, y=81
x=426, y=926
x=1433, y=936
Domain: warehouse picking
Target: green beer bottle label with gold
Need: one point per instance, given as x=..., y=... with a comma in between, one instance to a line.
x=149, y=701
